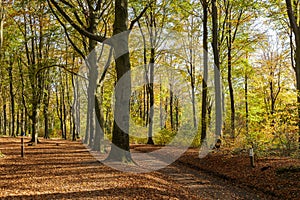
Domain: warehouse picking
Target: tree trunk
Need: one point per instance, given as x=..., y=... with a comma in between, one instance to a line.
x=18, y=123
x=12, y=100
x=205, y=71
x=217, y=75
x=99, y=134
x=74, y=109
x=93, y=75
x=22, y=121
x=171, y=107
x=4, y=119
x=298, y=86
x=176, y=113
x=151, y=97
x=296, y=30
x=34, y=138
x=166, y=112
x=120, y=150
x=46, y=128
x=45, y=112
x=229, y=78
x=297, y=70
x=246, y=103
x=59, y=111
x=161, y=116
x=229, y=74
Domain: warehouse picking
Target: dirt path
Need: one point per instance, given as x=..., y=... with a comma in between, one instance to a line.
x=59, y=169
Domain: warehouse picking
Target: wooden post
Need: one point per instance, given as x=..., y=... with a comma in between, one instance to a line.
x=251, y=155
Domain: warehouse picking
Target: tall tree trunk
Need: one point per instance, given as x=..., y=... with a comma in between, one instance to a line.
x=93, y=74
x=46, y=124
x=171, y=107
x=193, y=101
x=176, y=113
x=74, y=108
x=298, y=85
x=217, y=73
x=77, y=114
x=205, y=71
x=46, y=101
x=151, y=96
x=26, y=126
x=4, y=119
x=120, y=150
x=22, y=122
x=18, y=123
x=2, y=17
x=166, y=112
x=229, y=73
x=295, y=26
x=161, y=115
x=59, y=110
x=191, y=72
x=246, y=102
x=99, y=135
x=12, y=100
x=34, y=136
x=229, y=78
x=145, y=104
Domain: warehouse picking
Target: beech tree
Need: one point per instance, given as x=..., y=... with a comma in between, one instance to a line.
x=205, y=7
x=293, y=8
x=217, y=72
x=120, y=140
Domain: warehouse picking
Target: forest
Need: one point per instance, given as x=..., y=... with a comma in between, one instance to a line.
x=58, y=74
x=227, y=71
x=214, y=77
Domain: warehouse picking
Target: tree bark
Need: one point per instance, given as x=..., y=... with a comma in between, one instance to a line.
x=229, y=78
x=99, y=134
x=171, y=107
x=45, y=112
x=151, y=96
x=120, y=150
x=12, y=100
x=93, y=75
x=215, y=45
x=246, y=102
x=4, y=119
x=296, y=30
x=205, y=71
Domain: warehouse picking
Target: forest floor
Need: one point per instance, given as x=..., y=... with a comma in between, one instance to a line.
x=58, y=169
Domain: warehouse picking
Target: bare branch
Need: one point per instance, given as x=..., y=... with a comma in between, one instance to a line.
x=78, y=28
x=62, y=67
x=139, y=16
x=66, y=32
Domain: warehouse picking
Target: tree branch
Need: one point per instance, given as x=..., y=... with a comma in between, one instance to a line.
x=74, y=25
x=293, y=22
x=139, y=16
x=62, y=67
x=66, y=32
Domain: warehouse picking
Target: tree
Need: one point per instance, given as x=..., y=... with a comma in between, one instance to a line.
x=294, y=18
x=217, y=81
x=95, y=13
x=205, y=70
x=120, y=149
x=33, y=27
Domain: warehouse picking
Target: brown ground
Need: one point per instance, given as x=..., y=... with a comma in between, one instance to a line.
x=57, y=169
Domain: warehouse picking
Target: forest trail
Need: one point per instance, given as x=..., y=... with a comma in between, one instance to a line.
x=57, y=169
